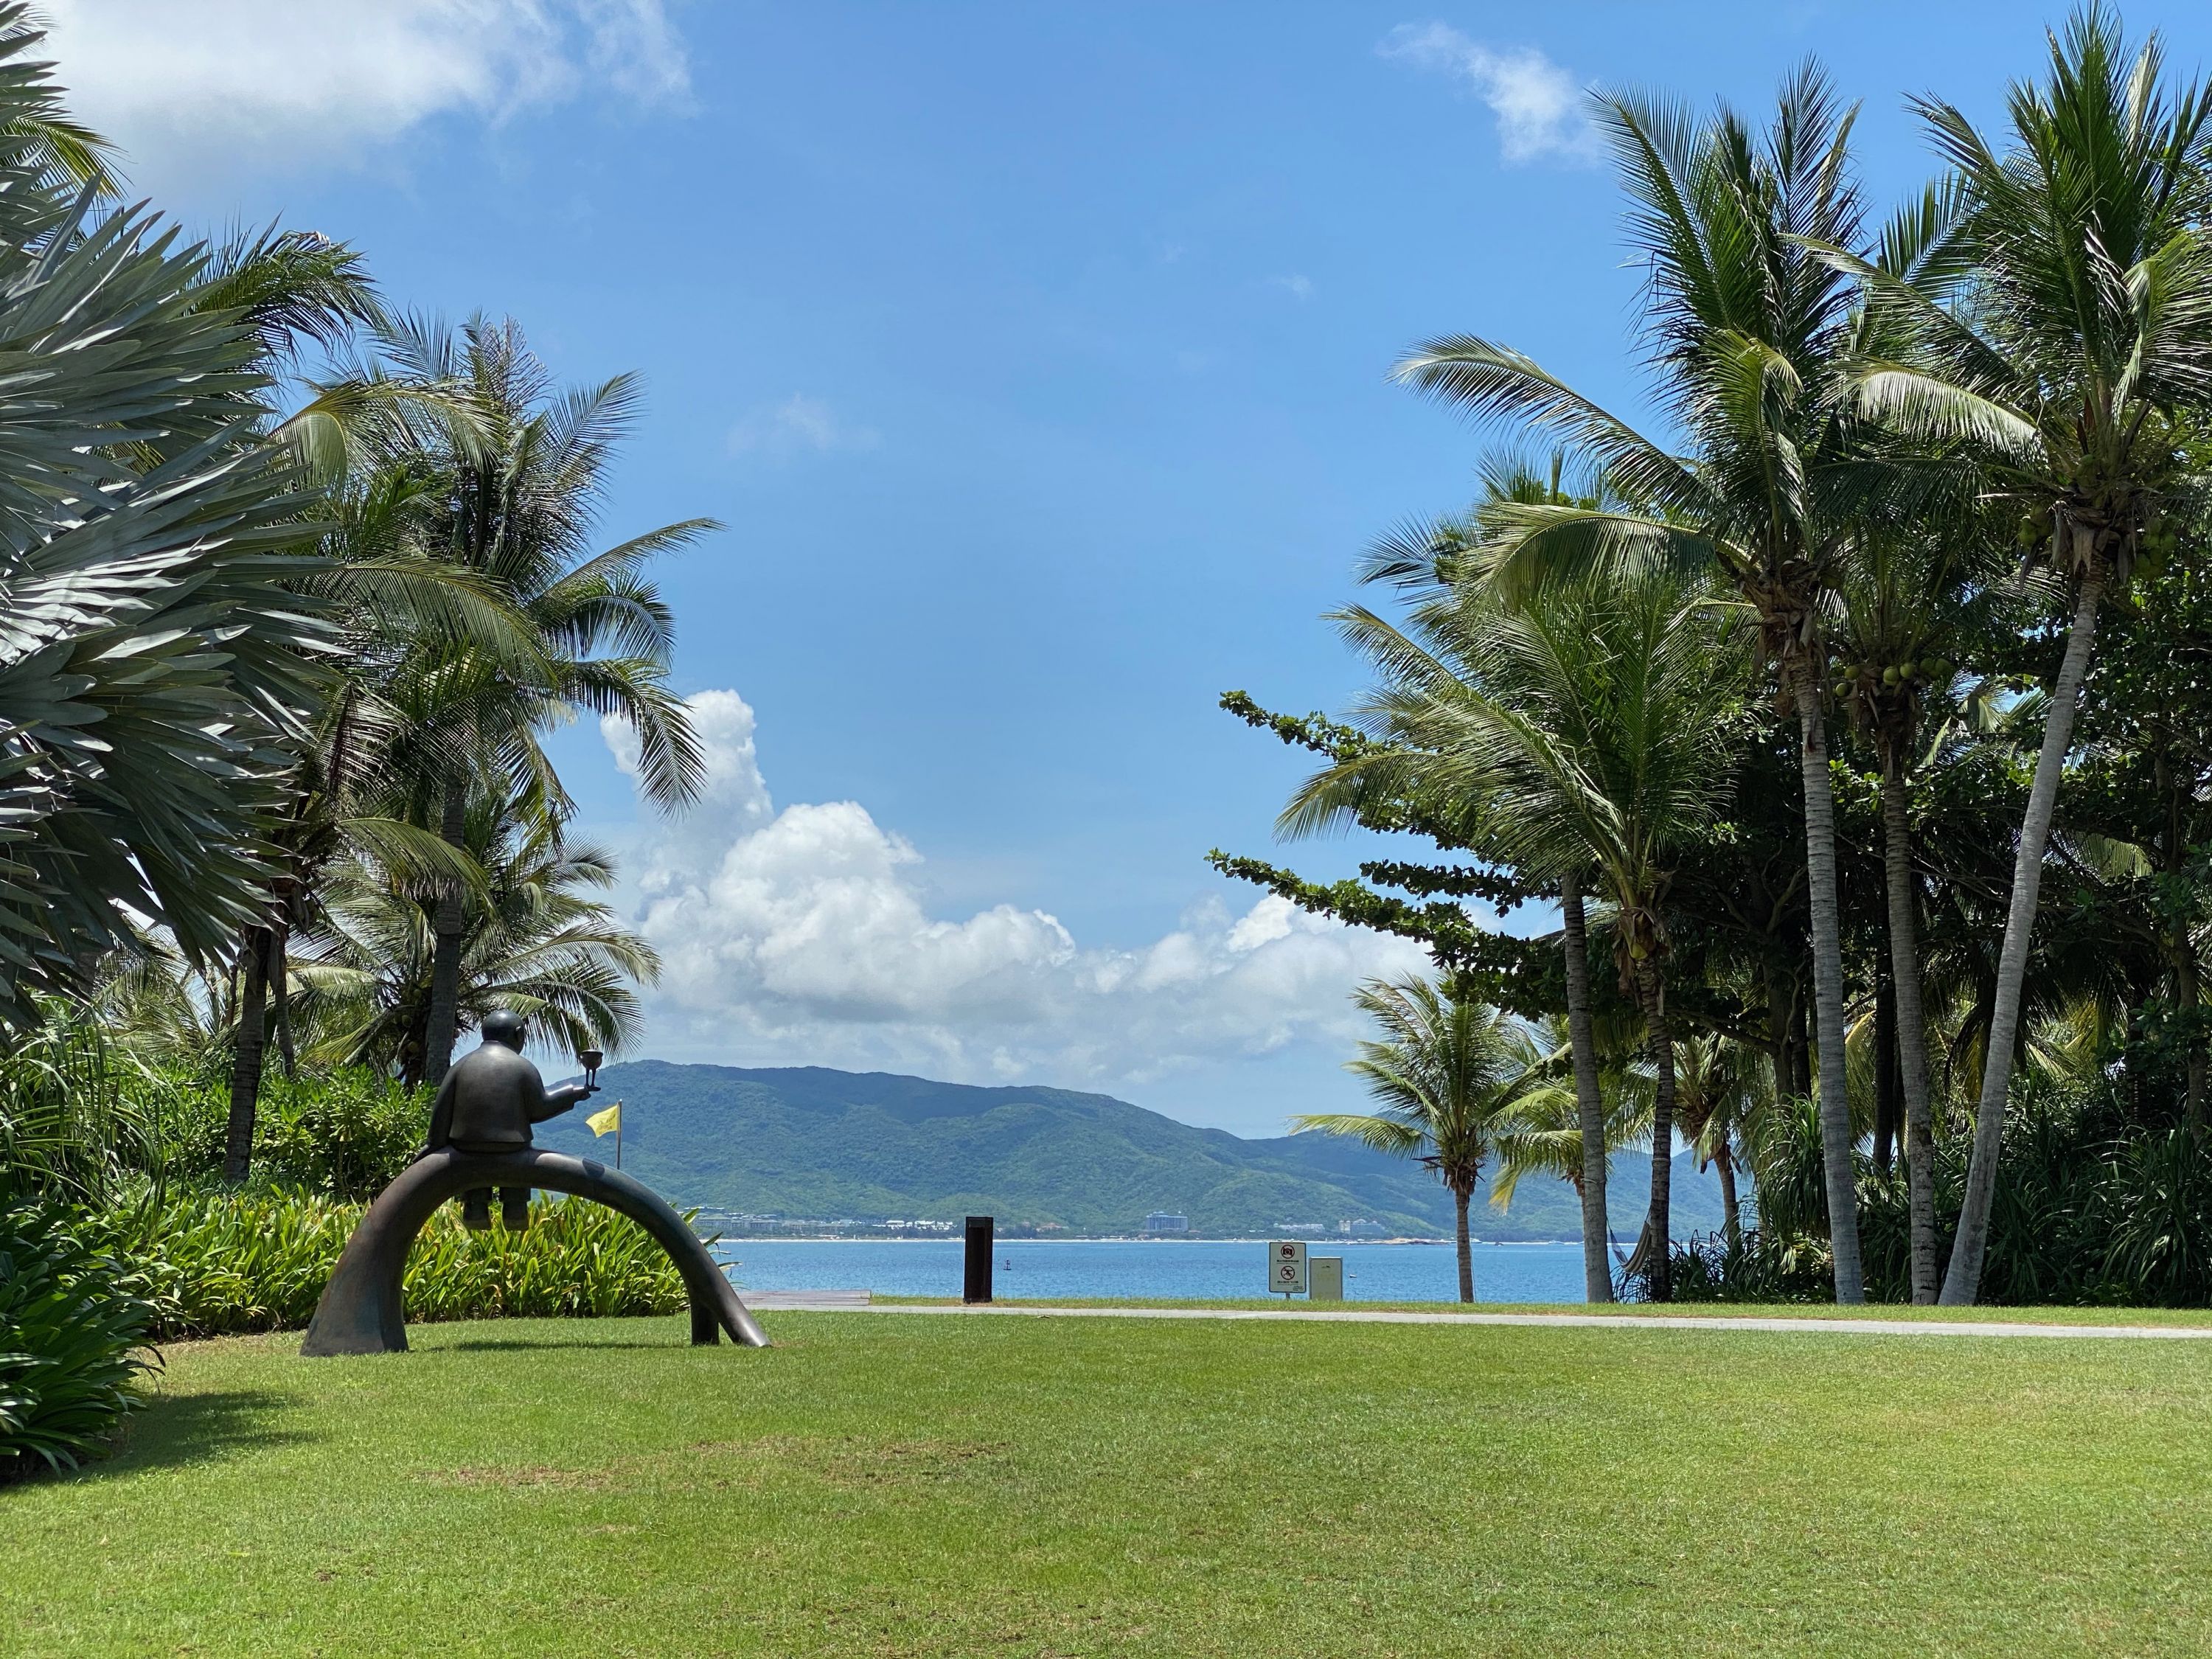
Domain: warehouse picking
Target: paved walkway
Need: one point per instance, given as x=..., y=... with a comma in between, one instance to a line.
x=788, y=1300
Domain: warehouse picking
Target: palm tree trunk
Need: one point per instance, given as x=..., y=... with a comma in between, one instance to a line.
x=1836, y=1137
x=1589, y=1099
x=1466, y=1244
x=1659, y=1270
x=443, y=1025
x=1912, y=1029
x=246, y=1058
x=280, y=981
x=1887, y=1086
x=1963, y=1282
x=1731, y=1210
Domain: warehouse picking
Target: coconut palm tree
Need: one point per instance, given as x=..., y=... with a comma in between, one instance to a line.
x=1590, y=726
x=1747, y=330
x=1720, y=1088
x=1904, y=595
x=1453, y=1076
x=1424, y=562
x=2067, y=329
x=1547, y=1138
x=522, y=474
x=538, y=942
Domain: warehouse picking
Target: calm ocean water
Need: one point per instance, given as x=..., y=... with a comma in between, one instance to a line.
x=1147, y=1267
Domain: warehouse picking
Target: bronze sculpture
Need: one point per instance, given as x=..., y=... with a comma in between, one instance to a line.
x=488, y=1103
x=479, y=1138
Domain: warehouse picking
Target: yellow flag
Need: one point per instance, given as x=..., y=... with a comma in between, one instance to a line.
x=606, y=1122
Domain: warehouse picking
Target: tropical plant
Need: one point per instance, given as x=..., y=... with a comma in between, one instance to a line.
x=538, y=943
x=72, y=1334
x=520, y=476
x=154, y=656
x=1749, y=332
x=215, y=1262
x=1452, y=1076
x=1588, y=724
x=2066, y=328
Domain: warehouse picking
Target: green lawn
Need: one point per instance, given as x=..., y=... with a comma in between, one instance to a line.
x=884, y=1485
x=1892, y=1313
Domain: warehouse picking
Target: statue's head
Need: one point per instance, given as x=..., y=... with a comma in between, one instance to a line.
x=505, y=1028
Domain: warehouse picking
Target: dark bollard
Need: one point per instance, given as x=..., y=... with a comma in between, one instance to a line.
x=975, y=1280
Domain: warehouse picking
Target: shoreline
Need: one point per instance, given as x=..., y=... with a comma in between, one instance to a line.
x=1129, y=1239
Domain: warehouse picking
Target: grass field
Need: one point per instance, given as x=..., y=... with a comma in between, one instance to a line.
x=884, y=1485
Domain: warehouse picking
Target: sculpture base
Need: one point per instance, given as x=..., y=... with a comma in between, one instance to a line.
x=363, y=1310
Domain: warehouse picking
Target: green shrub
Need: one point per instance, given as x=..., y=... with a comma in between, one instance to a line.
x=343, y=1133
x=72, y=1336
x=217, y=1262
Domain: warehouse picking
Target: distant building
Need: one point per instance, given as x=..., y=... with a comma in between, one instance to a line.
x=1166, y=1221
x=1360, y=1228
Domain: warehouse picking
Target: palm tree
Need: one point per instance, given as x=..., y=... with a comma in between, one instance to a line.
x=1748, y=330
x=154, y=659
x=522, y=473
x=1549, y=1136
x=1453, y=1076
x=1591, y=726
x=1720, y=1090
x=539, y=943
x=1426, y=560
x=1903, y=594
x=2068, y=328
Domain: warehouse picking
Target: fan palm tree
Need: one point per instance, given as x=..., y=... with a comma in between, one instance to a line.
x=522, y=473
x=1748, y=330
x=1453, y=1076
x=154, y=659
x=2068, y=327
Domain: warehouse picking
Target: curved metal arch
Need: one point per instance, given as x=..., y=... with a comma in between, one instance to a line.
x=363, y=1310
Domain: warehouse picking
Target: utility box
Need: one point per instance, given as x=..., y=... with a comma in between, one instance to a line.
x=1325, y=1275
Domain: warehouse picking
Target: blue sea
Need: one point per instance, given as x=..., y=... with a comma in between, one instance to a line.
x=1196, y=1268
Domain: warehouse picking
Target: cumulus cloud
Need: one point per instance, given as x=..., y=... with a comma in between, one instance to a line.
x=1299, y=288
x=798, y=425
x=804, y=937
x=279, y=83
x=1537, y=103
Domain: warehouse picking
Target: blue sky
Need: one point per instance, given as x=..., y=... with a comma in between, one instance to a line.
x=1035, y=358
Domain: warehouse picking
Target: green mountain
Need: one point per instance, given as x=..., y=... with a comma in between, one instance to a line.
x=824, y=1145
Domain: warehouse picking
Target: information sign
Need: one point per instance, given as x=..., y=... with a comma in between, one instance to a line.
x=1287, y=1266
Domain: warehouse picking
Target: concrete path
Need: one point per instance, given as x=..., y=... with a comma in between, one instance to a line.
x=790, y=1300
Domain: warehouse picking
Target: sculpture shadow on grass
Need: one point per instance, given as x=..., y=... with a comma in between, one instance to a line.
x=364, y=1308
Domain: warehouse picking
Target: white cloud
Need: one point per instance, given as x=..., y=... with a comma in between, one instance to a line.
x=264, y=85
x=1300, y=289
x=798, y=425
x=803, y=936
x=1537, y=103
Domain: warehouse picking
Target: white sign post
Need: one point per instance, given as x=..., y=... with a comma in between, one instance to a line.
x=1287, y=1266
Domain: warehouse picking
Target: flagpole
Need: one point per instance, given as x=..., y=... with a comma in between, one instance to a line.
x=618, y=1134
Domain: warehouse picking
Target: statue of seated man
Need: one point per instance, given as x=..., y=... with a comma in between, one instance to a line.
x=487, y=1104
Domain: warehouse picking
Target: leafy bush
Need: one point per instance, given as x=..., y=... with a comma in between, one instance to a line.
x=341, y=1134
x=72, y=1124
x=71, y=1342
x=1754, y=1267
x=2093, y=1209
x=217, y=1262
